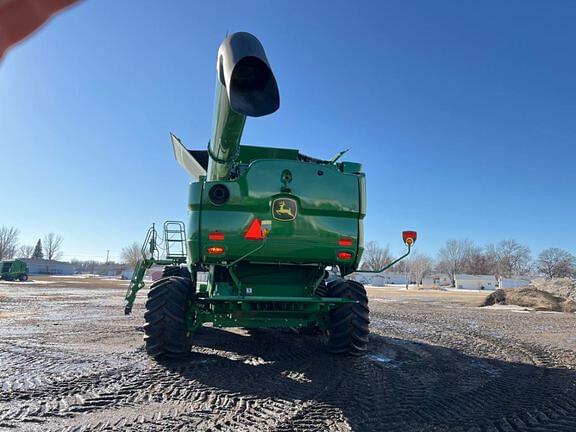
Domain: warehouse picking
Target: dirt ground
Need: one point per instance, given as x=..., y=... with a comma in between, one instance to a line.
x=70, y=360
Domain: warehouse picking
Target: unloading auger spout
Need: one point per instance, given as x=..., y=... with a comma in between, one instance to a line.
x=245, y=86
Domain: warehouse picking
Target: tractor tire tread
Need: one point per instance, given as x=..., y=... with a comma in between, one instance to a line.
x=349, y=324
x=166, y=332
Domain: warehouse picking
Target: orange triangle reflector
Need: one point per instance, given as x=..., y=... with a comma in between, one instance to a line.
x=254, y=231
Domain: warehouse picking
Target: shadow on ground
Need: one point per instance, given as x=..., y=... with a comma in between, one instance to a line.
x=399, y=385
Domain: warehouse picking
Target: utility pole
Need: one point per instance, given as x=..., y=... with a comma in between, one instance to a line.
x=406, y=274
x=107, y=255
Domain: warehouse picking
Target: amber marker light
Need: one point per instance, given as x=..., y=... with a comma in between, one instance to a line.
x=215, y=250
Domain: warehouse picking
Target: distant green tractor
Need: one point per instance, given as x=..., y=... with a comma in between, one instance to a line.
x=13, y=270
x=272, y=231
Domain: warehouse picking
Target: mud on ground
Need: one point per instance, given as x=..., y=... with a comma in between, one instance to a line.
x=70, y=360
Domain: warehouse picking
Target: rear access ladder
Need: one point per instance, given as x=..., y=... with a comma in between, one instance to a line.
x=174, y=244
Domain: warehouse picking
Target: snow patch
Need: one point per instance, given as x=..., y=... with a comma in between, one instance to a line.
x=387, y=361
x=23, y=284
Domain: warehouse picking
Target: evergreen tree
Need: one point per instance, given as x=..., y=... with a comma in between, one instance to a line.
x=38, y=254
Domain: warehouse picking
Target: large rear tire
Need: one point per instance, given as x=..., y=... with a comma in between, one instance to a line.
x=175, y=270
x=348, y=325
x=169, y=300
x=23, y=277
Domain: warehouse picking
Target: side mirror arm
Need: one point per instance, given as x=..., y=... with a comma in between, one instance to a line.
x=387, y=266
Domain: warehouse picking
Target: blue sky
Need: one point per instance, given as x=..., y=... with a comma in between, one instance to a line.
x=463, y=114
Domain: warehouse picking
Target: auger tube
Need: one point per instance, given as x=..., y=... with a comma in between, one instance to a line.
x=245, y=86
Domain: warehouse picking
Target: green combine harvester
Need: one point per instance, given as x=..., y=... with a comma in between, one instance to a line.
x=276, y=231
x=13, y=270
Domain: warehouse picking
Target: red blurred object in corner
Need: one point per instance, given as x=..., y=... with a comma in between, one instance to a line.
x=19, y=18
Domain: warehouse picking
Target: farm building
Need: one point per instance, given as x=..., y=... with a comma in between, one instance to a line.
x=464, y=281
x=381, y=279
x=514, y=282
x=109, y=269
x=127, y=274
x=437, y=280
x=43, y=266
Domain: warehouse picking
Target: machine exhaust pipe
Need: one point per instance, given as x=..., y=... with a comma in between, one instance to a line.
x=245, y=86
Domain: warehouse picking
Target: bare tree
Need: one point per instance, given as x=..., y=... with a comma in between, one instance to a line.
x=479, y=262
x=492, y=255
x=52, y=246
x=419, y=266
x=25, y=251
x=401, y=267
x=375, y=257
x=556, y=262
x=453, y=255
x=511, y=258
x=8, y=242
x=131, y=254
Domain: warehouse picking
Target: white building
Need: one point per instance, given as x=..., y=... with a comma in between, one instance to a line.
x=127, y=274
x=516, y=282
x=43, y=266
x=437, y=280
x=380, y=279
x=478, y=282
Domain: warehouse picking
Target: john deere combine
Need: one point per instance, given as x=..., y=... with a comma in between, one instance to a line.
x=265, y=225
x=13, y=270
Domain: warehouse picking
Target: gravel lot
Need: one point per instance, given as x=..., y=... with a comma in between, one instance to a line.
x=70, y=360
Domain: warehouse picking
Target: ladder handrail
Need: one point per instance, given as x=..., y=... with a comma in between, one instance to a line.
x=150, y=243
x=175, y=227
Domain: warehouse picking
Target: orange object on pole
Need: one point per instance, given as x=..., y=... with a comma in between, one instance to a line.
x=19, y=18
x=409, y=237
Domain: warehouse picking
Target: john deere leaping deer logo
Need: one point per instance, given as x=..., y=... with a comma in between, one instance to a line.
x=284, y=209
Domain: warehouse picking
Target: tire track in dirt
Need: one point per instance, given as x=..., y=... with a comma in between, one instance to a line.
x=526, y=392
x=440, y=371
x=173, y=385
